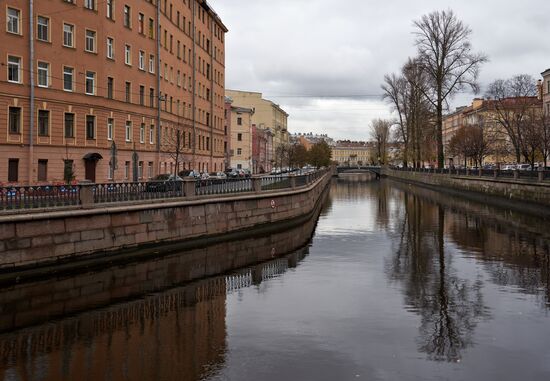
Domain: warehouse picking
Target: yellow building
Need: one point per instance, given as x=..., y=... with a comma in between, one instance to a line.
x=353, y=155
x=267, y=115
x=241, y=137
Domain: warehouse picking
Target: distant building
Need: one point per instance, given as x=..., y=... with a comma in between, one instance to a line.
x=267, y=115
x=350, y=153
x=309, y=139
x=227, y=133
x=262, y=146
x=546, y=92
x=241, y=137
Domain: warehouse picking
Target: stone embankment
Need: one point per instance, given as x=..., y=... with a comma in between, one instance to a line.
x=58, y=238
x=526, y=196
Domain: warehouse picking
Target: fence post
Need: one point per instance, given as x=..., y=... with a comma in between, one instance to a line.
x=257, y=184
x=86, y=194
x=292, y=181
x=189, y=184
x=480, y=172
x=516, y=174
x=495, y=173
x=541, y=174
x=467, y=171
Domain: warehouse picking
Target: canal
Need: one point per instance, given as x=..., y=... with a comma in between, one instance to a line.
x=387, y=281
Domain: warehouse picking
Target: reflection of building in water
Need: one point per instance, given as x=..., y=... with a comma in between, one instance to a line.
x=176, y=335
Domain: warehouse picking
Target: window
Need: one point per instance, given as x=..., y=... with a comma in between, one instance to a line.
x=240, y=137
x=140, y=23
x=151, y=97
x=152, y=134
x=42, y=170
x=151, y=28
x=110, y=123
x=69, y=125
x=14, y=69
x=43, y=74
x=142, y=95
x=128, y=131
x=90, y=41
x=240, y=121
x=151, y=63
x=127, y=55
x=110, y=6
x=150, y=170
x=43, y=122
x=128, y=92
x=13, y=170
x=42, y=29
x=90, y=83
x=239, y=151
x=90, y=4
x=110, y=85
x=13, y=20
x=90, y=127
x=140, y=169
x=110, y=48
x=141, y=60
x=127, y=16
x=126, y=170
x=14, y=120
x=68, y=78
x=142, y=133
x=68, y=35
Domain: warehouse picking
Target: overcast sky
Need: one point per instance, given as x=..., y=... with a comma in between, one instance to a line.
x=303, y=53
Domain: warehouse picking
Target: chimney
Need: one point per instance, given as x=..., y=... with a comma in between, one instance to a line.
x=539, y=89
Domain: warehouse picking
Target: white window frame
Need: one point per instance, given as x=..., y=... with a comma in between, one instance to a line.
x=90, y=42
x=71, y=73
x=90, y=76
x=141, y=60
x=142, y=133
x=152, y=134
x=43, y=68
x=110, y=8
x=110, y=48
x=152, y=63
x=17, y=62
x=13, y=21
x=128, y=55
x=42, y=27
x=68, y=33
x=89, y=4
x=128, y=131
x=110, y=128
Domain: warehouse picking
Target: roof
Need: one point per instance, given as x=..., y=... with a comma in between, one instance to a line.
x=545, y=73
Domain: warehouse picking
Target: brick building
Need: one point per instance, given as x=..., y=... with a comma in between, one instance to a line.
x=262, y=147
x=98, y=89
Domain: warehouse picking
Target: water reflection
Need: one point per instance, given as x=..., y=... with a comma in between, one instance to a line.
x=450, y=304
x=174, y=326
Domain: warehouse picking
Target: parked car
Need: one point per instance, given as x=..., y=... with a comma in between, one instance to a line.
x=164, y=183
x=524, y=167
x=509, y=167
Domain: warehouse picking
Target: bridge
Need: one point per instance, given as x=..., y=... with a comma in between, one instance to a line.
x=360, y=169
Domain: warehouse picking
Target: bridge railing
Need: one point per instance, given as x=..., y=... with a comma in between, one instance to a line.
x=525, y=175
x=14, y=198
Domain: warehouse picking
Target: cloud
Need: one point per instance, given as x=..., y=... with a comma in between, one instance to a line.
x=323, y=47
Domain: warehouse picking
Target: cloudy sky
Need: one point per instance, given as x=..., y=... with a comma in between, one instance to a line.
x=324, y=60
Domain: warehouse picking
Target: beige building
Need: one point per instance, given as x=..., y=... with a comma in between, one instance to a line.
x=546, y=92
x=267, y=115
x=353, y=154
x=241, y=137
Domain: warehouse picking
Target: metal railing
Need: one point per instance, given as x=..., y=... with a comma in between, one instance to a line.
x=87, y=195
x=36, y=197
x=527, y=175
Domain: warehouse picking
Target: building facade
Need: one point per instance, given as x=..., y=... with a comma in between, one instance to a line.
x=267, y=115
x=546, y=92
x=262, y=145
x=100, y=90
x=241, y=138
x=353, y=154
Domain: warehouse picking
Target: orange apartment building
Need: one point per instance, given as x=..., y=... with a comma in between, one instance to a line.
x=97, y=89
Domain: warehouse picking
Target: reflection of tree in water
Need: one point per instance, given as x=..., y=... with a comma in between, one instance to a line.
x=449, y=307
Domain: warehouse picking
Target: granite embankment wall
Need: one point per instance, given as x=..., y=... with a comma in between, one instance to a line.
x=524, y=196
x=57, y=238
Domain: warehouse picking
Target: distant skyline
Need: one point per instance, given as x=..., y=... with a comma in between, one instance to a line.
x=324, y=62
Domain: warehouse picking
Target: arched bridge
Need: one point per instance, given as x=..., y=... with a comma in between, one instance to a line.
x=360, y=169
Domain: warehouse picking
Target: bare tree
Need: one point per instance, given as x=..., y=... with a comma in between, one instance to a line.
x=511, y=103
x=395, y=90
x=380, y=133
x=445, y=53
x=174, y=145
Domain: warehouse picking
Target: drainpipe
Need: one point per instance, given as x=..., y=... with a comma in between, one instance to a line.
x=159, y=93
x=212, y=97
x=31, y=113
x=194, y=85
